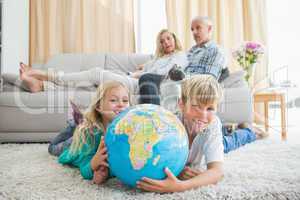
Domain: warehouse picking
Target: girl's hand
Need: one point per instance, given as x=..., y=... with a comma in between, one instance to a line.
x=100, y=158
x=188, y=173
x=100, y=175
x=170, y=184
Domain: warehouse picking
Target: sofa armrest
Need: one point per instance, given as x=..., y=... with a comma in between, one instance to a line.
x=236, y=105
x=235, y=80
x=13, y=79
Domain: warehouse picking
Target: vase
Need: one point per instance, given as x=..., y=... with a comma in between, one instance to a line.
x=249, y=73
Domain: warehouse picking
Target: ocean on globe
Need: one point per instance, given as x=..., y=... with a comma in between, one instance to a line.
x=142, y=141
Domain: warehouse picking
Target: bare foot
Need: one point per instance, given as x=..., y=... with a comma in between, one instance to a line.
x=24, y=67
x=35, y=73
x=33, y=84
x=260, y=133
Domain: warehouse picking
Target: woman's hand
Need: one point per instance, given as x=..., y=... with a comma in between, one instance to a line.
x=136, y=74
x=100, y=158
x=140, y=67
x=170, y=184
x=188, y=173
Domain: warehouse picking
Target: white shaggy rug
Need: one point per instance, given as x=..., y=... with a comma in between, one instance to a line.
x=266, y=169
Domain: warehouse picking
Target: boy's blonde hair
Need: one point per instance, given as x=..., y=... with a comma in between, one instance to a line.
x=159, y=49
x=203, y=89
x=92, y=117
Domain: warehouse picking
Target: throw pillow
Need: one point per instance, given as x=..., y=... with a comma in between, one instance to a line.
x=234, y=80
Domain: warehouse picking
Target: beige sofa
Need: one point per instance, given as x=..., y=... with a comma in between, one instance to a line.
x=35, y=117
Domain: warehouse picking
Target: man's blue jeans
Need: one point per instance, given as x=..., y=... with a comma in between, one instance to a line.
x=238, y=138
x=62, y=140
x=149, y=85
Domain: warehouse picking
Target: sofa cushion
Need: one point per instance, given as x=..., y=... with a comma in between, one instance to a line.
x=122, y=63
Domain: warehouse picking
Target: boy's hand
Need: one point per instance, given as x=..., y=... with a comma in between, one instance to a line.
x=170, y=184
x=188, y=173
x=100, y=175
x=100, y=158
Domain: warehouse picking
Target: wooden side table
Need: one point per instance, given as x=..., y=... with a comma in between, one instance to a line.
x=273, y=96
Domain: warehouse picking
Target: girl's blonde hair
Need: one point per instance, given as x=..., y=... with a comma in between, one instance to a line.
x=92, y=117
x=203, y=89
x=159, y=49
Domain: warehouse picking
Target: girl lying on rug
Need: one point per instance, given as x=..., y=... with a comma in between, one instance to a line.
x=84, y=149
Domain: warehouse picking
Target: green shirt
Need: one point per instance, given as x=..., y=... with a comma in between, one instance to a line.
x=82, y=158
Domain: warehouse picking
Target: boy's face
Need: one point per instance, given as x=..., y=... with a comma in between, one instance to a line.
x=197, y=116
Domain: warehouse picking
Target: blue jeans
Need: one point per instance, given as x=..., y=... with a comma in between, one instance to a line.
x=149, y=85
x=238, y=138
x=62, y=140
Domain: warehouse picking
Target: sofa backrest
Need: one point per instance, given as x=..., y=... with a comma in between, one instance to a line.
x=75, y=62
x=121, y=62
x=118, y=62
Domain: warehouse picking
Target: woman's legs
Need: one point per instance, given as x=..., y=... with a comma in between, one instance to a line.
x=34, y=78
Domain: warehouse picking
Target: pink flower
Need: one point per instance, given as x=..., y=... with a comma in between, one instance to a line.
x=252, y=45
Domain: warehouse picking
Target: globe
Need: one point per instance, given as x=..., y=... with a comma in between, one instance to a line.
x=142, y=141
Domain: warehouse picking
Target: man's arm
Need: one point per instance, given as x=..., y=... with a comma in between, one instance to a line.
x=216, y=64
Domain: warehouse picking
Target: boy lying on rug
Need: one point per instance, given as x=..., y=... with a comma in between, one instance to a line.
x=200, y=96
x=199, y=99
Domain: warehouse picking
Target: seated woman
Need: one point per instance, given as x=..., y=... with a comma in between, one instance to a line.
x=168, y=53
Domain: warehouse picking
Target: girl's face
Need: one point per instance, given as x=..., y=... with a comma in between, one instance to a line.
x=198, y=116
x=114, y=102
x=167, y=42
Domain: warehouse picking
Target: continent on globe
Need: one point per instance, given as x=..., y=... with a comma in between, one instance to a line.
x=141, y=139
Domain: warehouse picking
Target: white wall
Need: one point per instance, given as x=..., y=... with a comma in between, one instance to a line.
x=15, y=34
x=284, y=40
